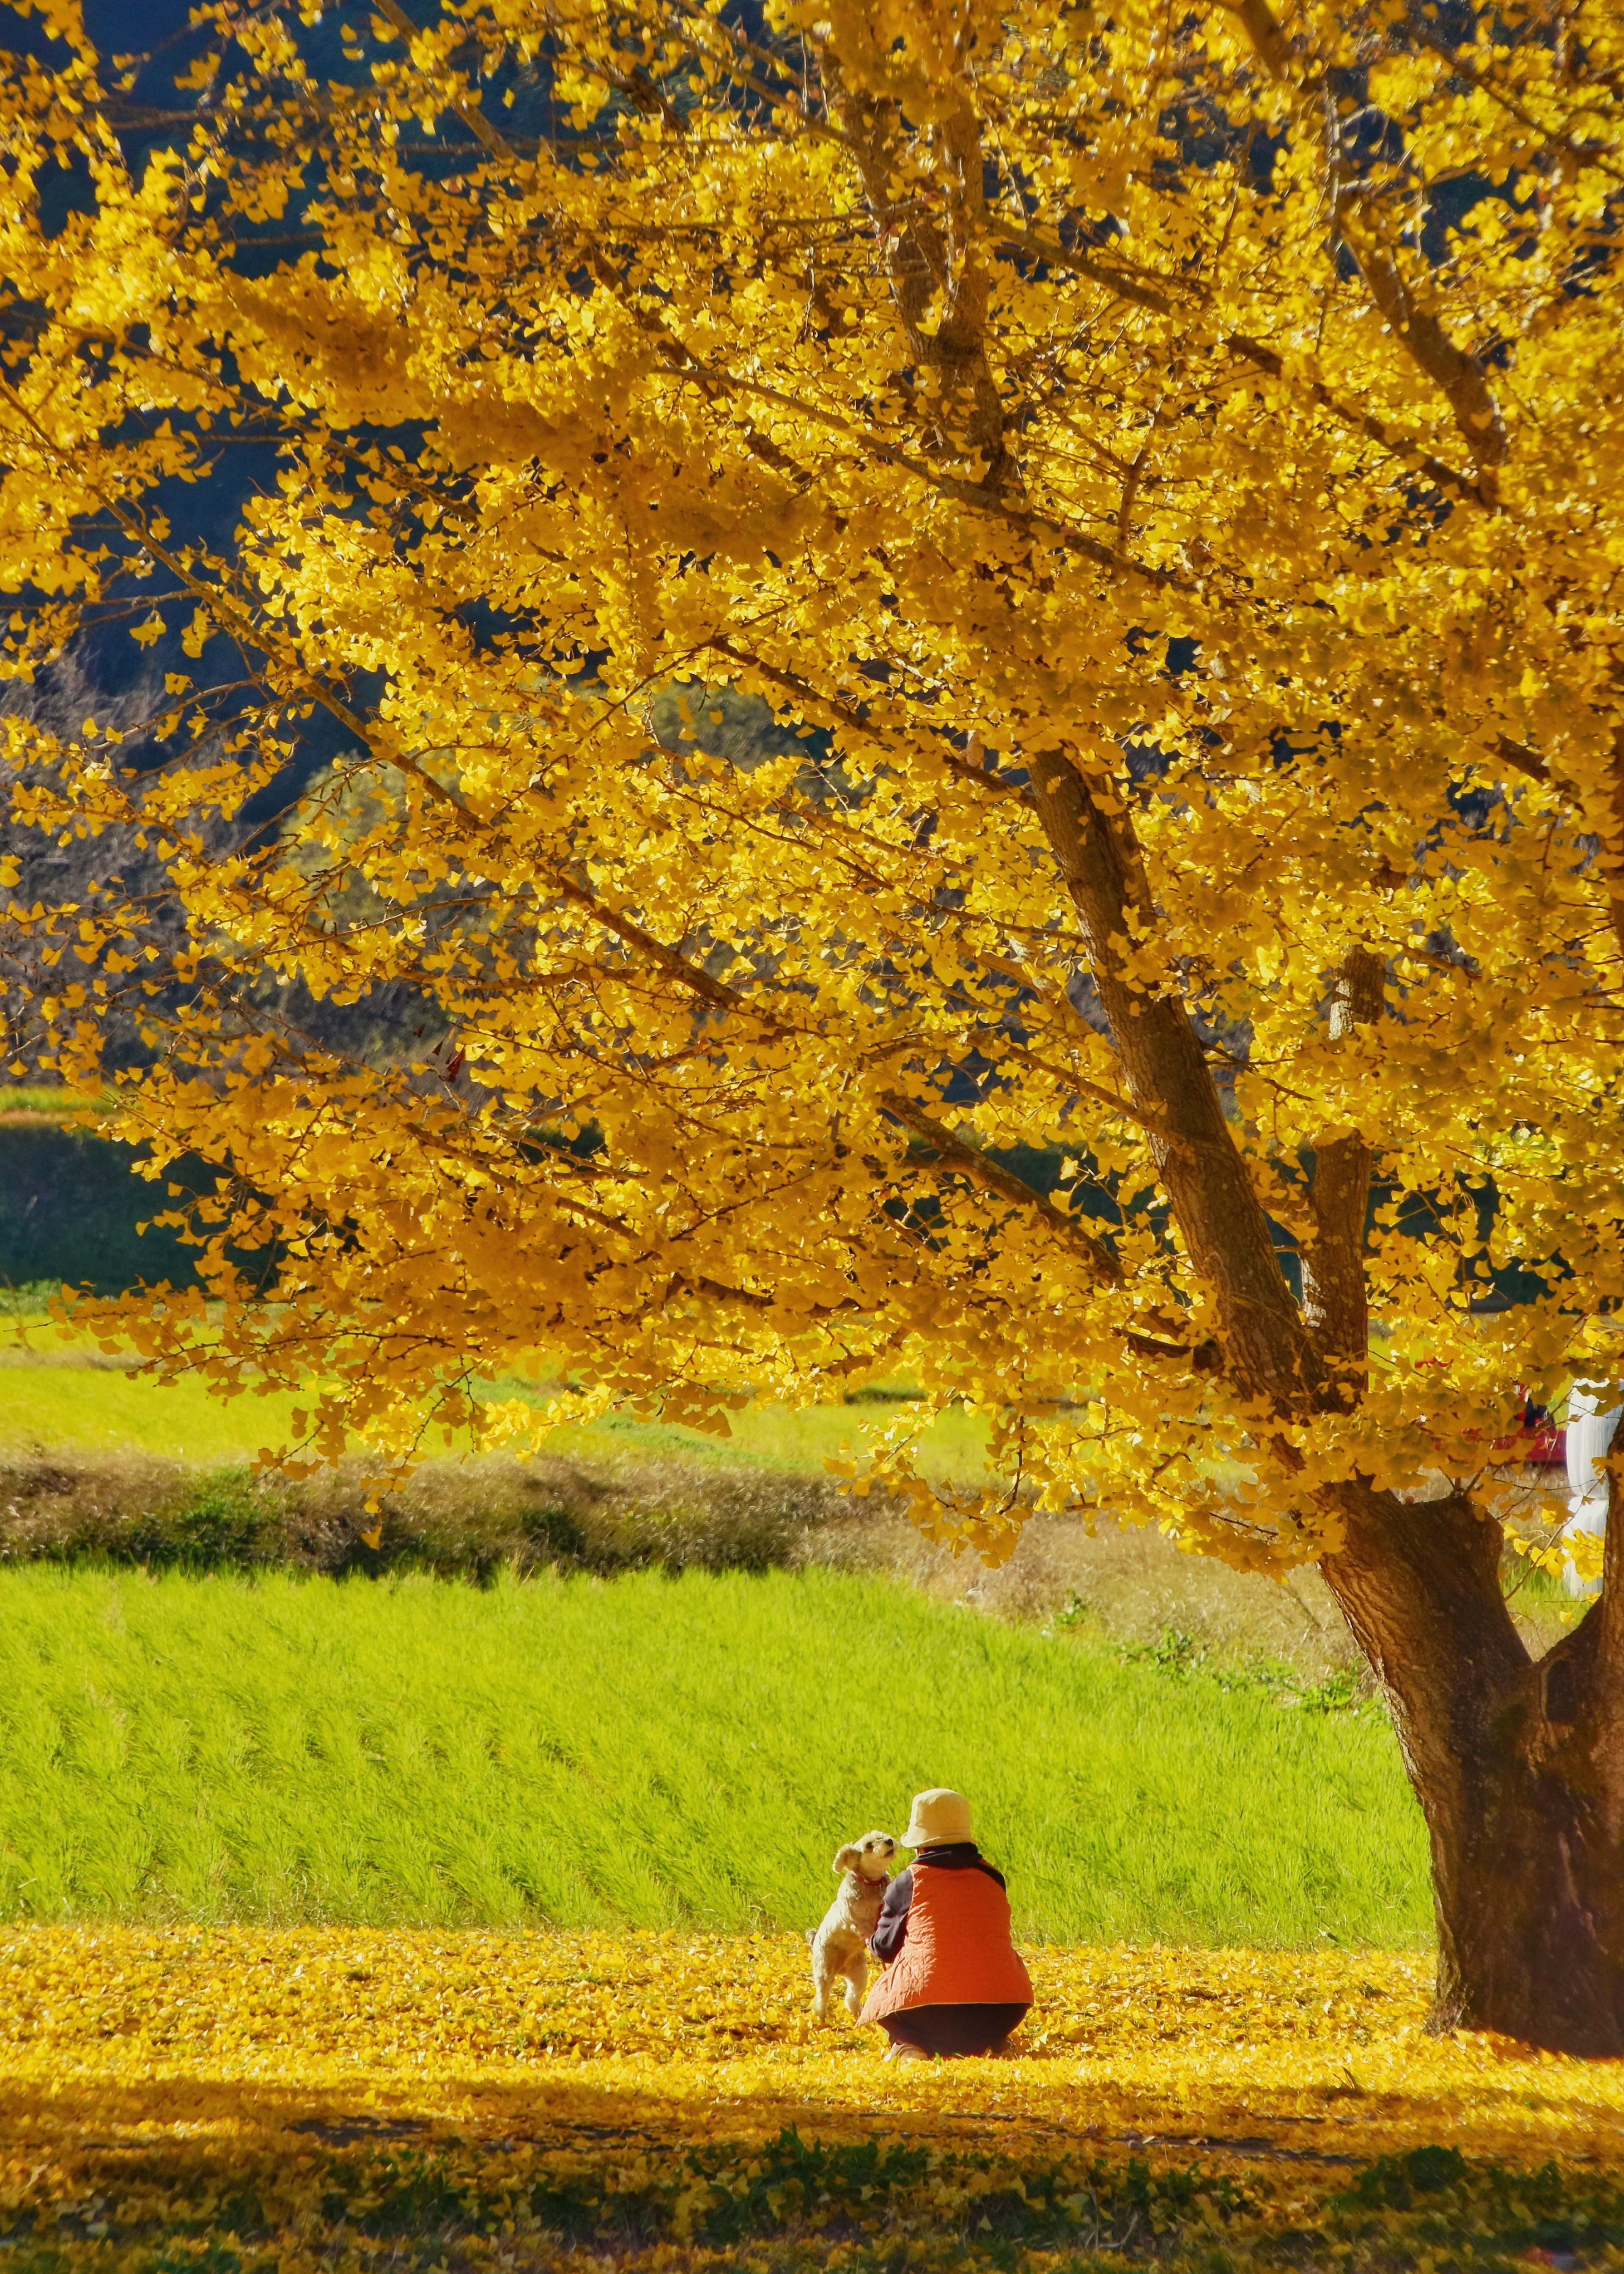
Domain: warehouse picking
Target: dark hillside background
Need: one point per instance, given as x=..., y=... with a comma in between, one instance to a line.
x=69, y=1208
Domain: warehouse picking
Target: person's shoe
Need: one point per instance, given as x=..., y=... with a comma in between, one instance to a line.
x=896, y=2052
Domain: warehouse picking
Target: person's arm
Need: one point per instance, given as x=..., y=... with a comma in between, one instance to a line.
x=889, y=1936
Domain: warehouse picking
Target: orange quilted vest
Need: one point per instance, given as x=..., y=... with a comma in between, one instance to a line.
x=957, y=1951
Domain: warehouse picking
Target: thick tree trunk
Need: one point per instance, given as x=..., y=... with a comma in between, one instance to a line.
x=1519, y=1769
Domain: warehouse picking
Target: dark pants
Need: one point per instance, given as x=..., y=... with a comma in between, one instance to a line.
x=953, y=2029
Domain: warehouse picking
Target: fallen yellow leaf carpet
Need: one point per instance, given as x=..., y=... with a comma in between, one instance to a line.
x=247, y=2099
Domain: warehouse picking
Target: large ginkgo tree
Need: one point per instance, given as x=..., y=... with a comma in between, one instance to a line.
x=1159, y=468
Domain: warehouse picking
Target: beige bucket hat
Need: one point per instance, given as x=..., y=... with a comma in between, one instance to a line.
x=937, y=1816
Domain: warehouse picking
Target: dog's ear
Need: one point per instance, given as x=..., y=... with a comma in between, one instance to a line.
x=847, y=1860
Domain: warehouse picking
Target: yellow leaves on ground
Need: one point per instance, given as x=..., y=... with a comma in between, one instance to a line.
x=129, y=2033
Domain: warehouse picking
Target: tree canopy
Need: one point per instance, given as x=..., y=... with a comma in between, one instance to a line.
x=1159, y=470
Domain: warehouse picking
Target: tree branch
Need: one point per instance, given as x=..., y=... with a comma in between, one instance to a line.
x=1585, y=153
x=469, y=113
x=1334, y=1302
x=1456, y=374
x=1610, y=864
x=1265, y=1346
x=1253, y=351
x=994, y=1177
x=694, y=976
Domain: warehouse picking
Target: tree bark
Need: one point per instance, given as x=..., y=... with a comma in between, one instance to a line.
x=939, y=281
x=1518, y=1767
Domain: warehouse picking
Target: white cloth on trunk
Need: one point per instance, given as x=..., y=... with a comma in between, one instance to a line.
x=1589, y=1437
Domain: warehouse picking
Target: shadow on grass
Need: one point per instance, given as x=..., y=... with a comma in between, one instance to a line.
x=206, y=2176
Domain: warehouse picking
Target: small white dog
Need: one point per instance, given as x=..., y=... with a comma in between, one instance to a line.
x=840, y=1945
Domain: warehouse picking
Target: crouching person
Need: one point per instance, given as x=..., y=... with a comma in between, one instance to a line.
x=953, y=1982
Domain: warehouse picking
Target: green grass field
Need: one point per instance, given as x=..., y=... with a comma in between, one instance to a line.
x=654, y=1751
x=102, y=1411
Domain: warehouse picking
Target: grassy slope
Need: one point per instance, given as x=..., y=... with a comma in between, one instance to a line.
x=654, y=1751
x=51, y=1101
x=102, y=1411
